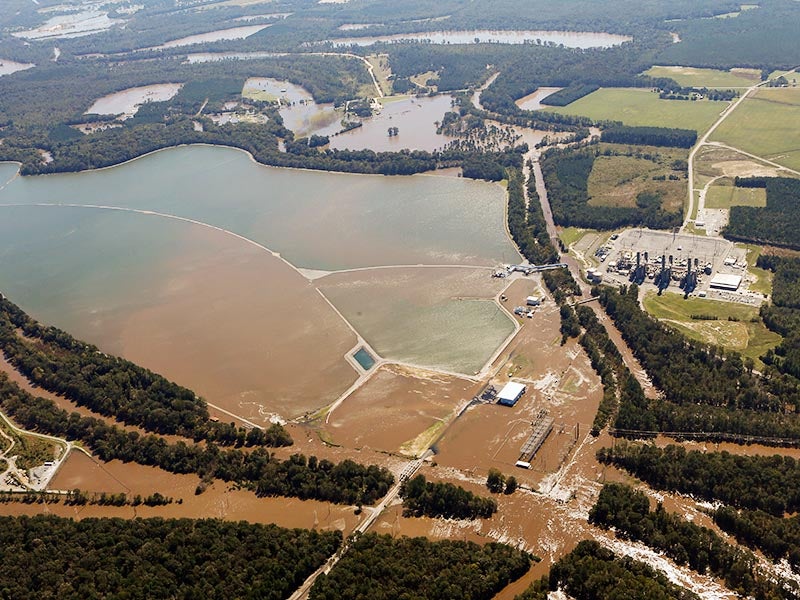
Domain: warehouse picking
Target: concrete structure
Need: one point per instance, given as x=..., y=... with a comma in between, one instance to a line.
x=511, y=393
x=723, y=281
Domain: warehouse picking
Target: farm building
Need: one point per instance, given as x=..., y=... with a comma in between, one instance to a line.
x=721, y=281
x=511, y=393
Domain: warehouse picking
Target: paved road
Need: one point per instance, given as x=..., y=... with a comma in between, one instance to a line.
x=704, y=140
x=375, y=512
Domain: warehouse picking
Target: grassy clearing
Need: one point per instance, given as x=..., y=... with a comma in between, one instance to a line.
x=31, y=451
x=763, y=282
x=570, y=235
x=382, y=70
x=751, y=338
x=762, y=126
x=421, y=79
x=635, y=106
x=618, y=180
x=710, y=78
x=725, y=196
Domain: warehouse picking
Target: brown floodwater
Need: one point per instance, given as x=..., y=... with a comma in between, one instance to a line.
x=415, y=118
x=241, y=328
x=441, y=317
x=395, y=406
x=220, y=500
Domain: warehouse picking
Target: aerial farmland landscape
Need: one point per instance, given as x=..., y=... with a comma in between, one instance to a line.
x=359, y=299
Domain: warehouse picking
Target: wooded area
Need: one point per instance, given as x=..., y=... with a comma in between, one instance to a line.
x=378, y=567
x=52, y=557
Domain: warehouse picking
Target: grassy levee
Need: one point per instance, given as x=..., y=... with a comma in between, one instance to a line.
x=710, y=78
x=642, y=107
x=762, y=125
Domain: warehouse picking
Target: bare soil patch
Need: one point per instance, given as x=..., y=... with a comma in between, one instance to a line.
x=395, y=406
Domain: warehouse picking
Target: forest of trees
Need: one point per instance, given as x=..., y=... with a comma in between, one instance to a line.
x=777, y=224
x=52, y=557
x=591, y=572
x=569, y=94
x=422, y=498
x=650, y=136
x=627, y=512
x=298, y=476
x=566, y=174
x=782, y=315
x=379, y=567
x=114, y=387
x=777, y=537
x=767, y=483
x=706, y=389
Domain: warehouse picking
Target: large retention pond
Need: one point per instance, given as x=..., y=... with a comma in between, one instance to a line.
x=97, y=254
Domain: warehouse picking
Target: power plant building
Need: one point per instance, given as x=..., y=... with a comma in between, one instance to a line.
x=722, y=281
x=511, y=393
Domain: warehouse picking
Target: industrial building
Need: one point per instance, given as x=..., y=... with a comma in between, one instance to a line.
x=722, y=281
x=511, y=393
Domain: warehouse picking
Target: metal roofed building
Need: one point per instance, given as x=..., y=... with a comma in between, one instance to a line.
x=722, y=281
x=511, y=393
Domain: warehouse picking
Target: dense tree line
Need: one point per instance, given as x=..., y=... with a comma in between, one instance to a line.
x=590, y=572
x=767, y=483
x=650, y=136
x=569, y=94
x=777, y=537
x=566, y=173
x=782, y=315
x=422, y=498
x=706, y=389
x=627, y=512
x=607, y=363
x=298, y=476
x=378, y=567
x=52, y=557
x=528, y=228
x=114, y=387
x=755, y=38
x=777, y=224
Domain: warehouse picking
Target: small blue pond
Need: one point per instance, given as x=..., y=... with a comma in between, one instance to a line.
x=364, y=359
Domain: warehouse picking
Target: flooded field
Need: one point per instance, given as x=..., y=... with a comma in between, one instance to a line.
x=191, y=303
x=432, y=317
x=7, y=67
x=234, y=33
x=570, y=39
x=396, y=407
x=218, y=501
x=310, y=118
x=534, y=101
x=270, y=90
x=315, y=220
x=202, y=57
x=128, y=101
x=70, y=25
x=415, y=118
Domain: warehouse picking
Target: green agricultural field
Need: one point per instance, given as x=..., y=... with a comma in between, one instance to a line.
x=762, y=125
x=710, y=78
x=725, y=196
x=733, y=328
x=618, y=180
x=640, y=107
